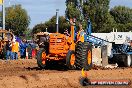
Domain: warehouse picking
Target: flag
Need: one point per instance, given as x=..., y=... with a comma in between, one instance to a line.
x=1, y=2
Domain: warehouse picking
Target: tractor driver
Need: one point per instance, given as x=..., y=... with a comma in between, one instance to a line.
x=80, y=34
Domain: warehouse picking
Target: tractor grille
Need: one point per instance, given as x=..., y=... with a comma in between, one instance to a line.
x=57, y=42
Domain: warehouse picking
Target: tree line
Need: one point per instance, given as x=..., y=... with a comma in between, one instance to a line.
x=103, y=18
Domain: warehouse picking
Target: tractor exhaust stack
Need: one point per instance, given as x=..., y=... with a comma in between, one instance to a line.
x=57, y=19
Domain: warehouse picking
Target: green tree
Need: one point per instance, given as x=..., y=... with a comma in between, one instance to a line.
x=96, y=10
x=28, y=34
x=39, y=28
x=17, y=19
x=71, y=10
x=122, y=14
x=123, y=18
x=51, y=25
x=109, y=25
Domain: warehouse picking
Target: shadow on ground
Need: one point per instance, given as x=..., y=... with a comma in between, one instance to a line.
x=51, y=66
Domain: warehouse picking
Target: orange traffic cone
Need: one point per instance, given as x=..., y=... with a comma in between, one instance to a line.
x=26, y=54
x=84, y=73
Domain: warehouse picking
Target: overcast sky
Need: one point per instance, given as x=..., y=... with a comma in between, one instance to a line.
x=42, y=10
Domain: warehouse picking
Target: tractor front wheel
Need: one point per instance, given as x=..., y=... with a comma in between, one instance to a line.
x=41, y=58
x=70, y=59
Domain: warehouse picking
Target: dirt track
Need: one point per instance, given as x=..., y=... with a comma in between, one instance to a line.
x=26, y=74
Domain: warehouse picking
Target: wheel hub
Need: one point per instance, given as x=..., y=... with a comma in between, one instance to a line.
x=89, y=57
x=43, y=57
x=72, y=60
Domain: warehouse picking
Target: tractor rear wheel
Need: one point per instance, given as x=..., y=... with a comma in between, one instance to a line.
x=41, y=58
x=83, y=54
x=70, y=59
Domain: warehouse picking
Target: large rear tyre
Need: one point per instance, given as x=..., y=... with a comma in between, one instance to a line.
x=70, y=59
x=83, y=55
x=41, y=58
x=128, y=60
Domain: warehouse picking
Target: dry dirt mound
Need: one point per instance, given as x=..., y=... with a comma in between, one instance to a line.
x=25, y=74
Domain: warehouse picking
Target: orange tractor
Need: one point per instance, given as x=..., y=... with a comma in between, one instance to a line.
x=72, y=49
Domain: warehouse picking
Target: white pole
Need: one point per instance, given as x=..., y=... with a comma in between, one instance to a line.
x=46, y=30
x=3, y=13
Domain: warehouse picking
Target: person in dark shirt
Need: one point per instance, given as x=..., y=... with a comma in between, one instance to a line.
x=23, y=48
x=8, y=50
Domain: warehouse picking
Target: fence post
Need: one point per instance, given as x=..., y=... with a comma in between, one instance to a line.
x=104, y=55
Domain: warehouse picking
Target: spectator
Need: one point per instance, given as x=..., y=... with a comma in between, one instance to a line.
x=29, y=50
x=33, y=53
x=3, y=47
x=15, y=49
x=8, y=50
x=23, y=49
